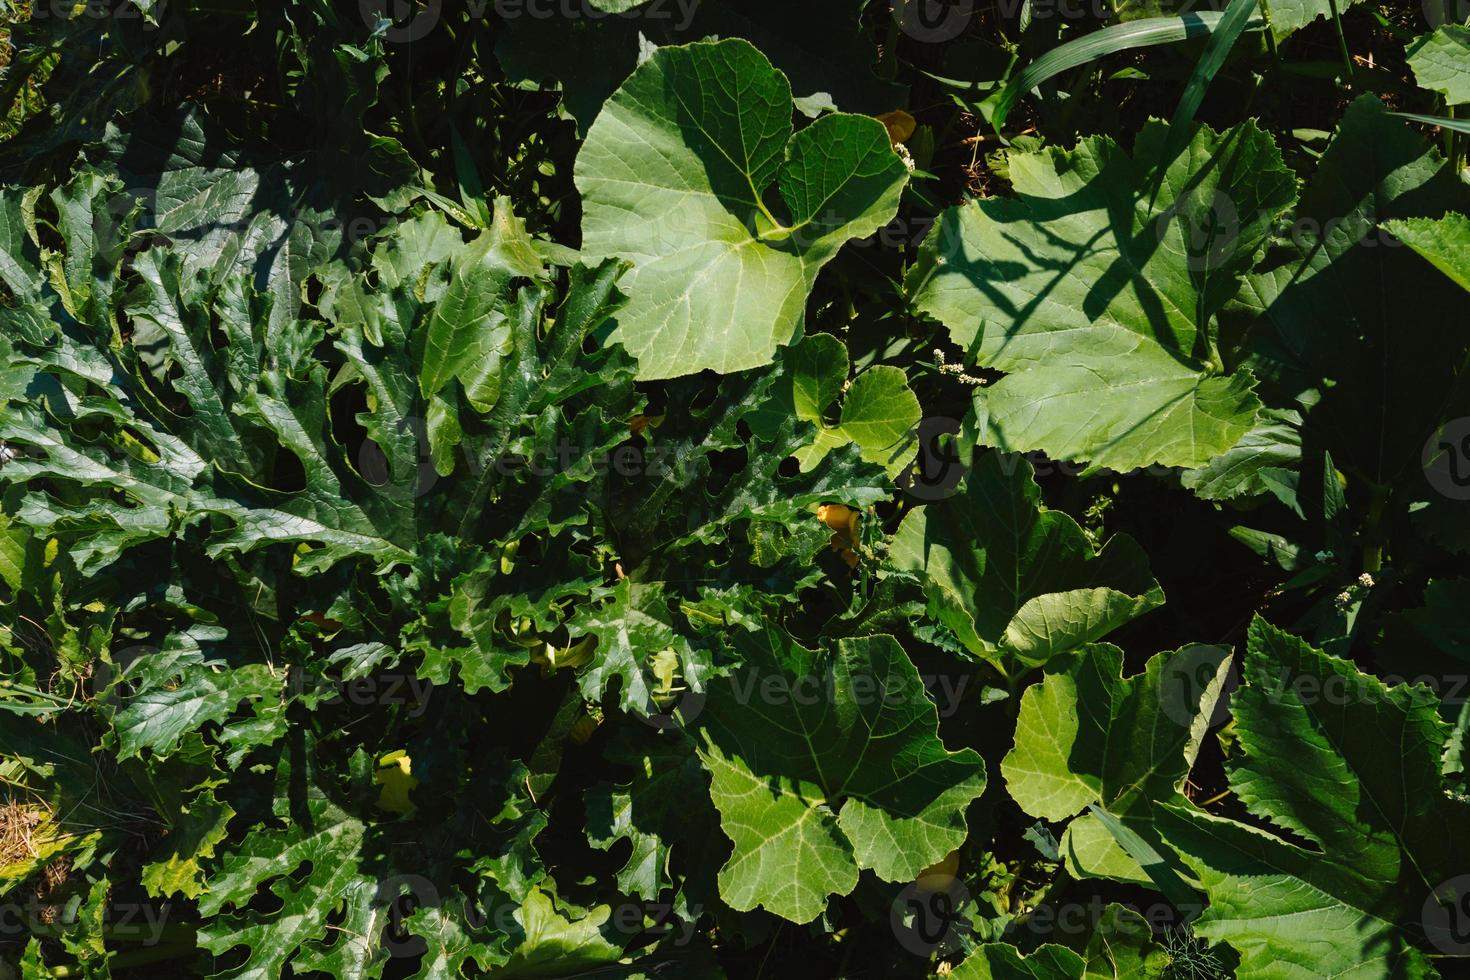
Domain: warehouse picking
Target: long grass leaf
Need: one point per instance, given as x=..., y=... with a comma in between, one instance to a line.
x=1458, y=125
x=471, y=188
x=1222, y=39
x=1164, y=877
x=1143, y=33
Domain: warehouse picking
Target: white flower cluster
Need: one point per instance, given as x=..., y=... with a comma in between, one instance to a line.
x=1355, y=592
x=957, y=371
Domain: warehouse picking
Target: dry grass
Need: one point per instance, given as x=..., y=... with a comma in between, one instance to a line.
x=18, y=821
x=22, y=12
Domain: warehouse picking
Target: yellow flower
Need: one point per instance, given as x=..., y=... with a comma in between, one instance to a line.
x=396, y=780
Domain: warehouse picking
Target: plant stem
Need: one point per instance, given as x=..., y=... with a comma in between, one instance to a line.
x=1373, y=543
x=1270, y=34
x=1347, y=59
x=888, y=67
x=1457, y=144
x=847, y=949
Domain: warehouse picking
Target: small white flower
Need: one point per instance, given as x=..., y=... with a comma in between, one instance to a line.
x=904, y=155
x=1365, y=580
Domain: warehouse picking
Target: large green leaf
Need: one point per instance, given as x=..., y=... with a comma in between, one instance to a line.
x=550, y=944
x=1345, y=770
x=1445, y=242
x=1118, y=945
x=825, y=765
x=1097, y=296
x=653, y=811
x=1363, y=337
x=721, y=270
x=878, y=413
x=199, y=419
x=158, y=718
x=469, y=333
x=632, y=628
x=1441, y=62
x=142, y=480
x=1086, y=735
x=322, y=839
x=1248, y=467
x=1289, y=16
x=1012, y=580
x=226, y=209
x=998, y=961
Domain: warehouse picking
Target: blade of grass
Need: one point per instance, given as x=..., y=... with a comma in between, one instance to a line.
x=451, y=208
x=1232, y=24
x=471, y=188
x=1387, y=24
x=1457, y=125
x=1164, y=877
x=1217, y=49
x=962, y=84
x=1143, y=33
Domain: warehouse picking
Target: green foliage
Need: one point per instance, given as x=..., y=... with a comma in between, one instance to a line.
x=812, y=795
x=647, y=489
x=1015, y=583
x=1439, y=63
x=719, y=279
x=1098, y=298
x=1374, y=844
